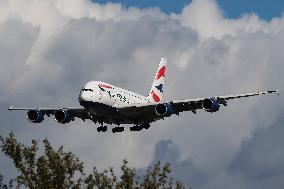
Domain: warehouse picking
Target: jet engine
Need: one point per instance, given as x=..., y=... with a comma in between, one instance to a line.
x=164, y=109
x=63, y=116
x=35, y=116
x=210, y=104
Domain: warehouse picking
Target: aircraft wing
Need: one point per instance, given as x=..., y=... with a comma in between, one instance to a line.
x=178, y=106
x=228, y=97
x=194, y=104
x=79, y=112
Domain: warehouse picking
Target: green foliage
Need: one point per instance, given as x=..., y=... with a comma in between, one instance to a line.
x=56, y=169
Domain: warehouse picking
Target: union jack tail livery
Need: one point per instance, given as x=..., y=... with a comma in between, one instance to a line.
x=157, y=89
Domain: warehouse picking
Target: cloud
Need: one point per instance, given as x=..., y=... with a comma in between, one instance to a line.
x=16, y=44
x=168, y=152
x=50, y=49
x=259, y=160
x=206, y=17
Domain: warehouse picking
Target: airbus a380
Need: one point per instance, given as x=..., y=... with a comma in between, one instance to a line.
x=105, y=103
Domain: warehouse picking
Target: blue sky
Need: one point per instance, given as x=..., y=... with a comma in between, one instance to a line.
x=266, y=9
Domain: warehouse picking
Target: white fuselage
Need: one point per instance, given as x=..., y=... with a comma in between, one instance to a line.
x=104, y=93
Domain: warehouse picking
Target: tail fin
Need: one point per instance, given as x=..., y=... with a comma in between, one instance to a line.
x=157, y=89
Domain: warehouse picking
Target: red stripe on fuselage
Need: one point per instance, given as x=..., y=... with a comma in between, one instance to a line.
x=105, y=86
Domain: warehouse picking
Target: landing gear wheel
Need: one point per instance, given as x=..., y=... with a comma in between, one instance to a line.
x=118, y=129
x=146, y=125
x=136, y=128
x=102, y=128
x=99, y=129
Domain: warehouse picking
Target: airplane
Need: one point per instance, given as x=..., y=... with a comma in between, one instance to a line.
x=102, y=103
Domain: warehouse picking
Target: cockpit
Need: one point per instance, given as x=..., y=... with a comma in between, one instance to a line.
x=96, y=91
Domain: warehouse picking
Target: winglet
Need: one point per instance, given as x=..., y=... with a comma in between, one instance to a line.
x=277, y=91
x=11, y=107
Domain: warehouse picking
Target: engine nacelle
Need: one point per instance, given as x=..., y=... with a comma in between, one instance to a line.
x=35, y=116
x=63, y=116
x=210, y=104
x=164, y=109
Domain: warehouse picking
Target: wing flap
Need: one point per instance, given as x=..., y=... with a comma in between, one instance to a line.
x=187, y=105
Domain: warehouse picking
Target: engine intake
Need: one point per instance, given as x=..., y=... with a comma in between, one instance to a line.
x=63, y=116
x=210, y=104
x=35, y=116
x=164, y=109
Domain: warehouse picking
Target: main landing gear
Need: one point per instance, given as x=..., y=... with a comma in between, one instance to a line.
x=146, y=125
x=140, y=127
x=118, y=129
x=102, y=128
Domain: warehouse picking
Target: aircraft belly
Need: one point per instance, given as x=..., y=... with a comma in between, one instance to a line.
x=109, y=114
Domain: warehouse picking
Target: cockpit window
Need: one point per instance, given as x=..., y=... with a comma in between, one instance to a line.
x=87, y=90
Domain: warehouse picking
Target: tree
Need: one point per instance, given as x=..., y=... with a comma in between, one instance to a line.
x=57, y=169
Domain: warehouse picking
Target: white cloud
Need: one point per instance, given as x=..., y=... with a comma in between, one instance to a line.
x=207, y=18
x=50, y=48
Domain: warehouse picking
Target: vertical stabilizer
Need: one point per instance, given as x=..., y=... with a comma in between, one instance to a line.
x=157, y=89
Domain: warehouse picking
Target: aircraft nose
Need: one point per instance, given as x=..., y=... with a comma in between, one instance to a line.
x=89, y=96
x=84, y=96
